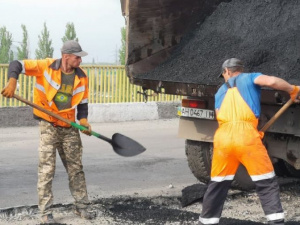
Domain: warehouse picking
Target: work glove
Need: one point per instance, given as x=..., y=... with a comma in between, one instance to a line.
x=294, y=93
x=261, y=134
x=9, y=90
x=84, y=122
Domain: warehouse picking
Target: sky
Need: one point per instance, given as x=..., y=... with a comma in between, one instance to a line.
x=97, y=24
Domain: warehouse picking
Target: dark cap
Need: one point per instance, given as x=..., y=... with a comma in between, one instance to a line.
x=72, y=47
x=232, y=62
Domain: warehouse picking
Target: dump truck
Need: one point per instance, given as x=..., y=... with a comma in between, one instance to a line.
x=177, y=47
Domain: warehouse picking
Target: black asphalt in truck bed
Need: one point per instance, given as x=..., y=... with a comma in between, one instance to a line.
x=265, y=34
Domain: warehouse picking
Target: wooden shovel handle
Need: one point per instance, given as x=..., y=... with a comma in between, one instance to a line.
x=121, y=144
x=277, y=115
x=73, y=124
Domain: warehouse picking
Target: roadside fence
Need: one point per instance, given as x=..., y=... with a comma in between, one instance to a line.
x=107, y=84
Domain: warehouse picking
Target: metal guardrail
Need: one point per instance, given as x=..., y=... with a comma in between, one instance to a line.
x=107, y=84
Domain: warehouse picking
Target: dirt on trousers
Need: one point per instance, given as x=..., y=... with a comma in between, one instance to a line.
x=241, y=208
x=265, y=34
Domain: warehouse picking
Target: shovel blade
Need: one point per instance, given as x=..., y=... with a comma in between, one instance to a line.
x=126, y=146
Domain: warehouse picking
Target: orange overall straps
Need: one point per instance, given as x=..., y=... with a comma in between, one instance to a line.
x=237, y=140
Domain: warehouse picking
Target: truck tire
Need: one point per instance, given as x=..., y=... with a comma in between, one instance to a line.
x=199, y=159
x=199, y=156
x=292, y=172
x=280, y=168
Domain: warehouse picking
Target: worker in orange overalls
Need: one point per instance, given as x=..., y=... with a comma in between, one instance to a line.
x=237, y=140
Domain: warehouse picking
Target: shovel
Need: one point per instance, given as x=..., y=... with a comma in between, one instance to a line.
x=277, y=115
x=121, y=144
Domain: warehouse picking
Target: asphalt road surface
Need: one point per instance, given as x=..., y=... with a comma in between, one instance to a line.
x=161, y=166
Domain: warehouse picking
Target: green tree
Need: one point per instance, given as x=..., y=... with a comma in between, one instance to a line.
x=122, y=50
x=6, y=54
x=70, y=33
x=45, y=49
x=23, y=50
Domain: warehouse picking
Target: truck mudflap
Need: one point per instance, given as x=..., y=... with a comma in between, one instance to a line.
x=197, y=129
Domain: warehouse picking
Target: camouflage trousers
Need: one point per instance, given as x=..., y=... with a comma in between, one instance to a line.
x=68, y=144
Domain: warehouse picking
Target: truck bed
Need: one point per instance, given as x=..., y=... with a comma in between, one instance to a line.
x=264, y=34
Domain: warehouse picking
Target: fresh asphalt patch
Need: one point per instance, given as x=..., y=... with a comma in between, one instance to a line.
x=128, y=210
x=137, y=210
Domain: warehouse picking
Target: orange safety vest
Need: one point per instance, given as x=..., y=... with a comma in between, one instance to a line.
x=48, y=82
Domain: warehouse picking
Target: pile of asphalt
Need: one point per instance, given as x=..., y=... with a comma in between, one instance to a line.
x=265, y=34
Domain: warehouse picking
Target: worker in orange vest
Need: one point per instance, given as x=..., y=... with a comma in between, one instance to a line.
x=61, y=87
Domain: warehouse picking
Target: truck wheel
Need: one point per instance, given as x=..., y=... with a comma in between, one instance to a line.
x=280, y=168
x=291, y=170
x=199, y=159
x=199, y=156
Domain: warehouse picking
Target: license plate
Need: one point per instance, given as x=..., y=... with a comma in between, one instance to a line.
x=196, y=113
